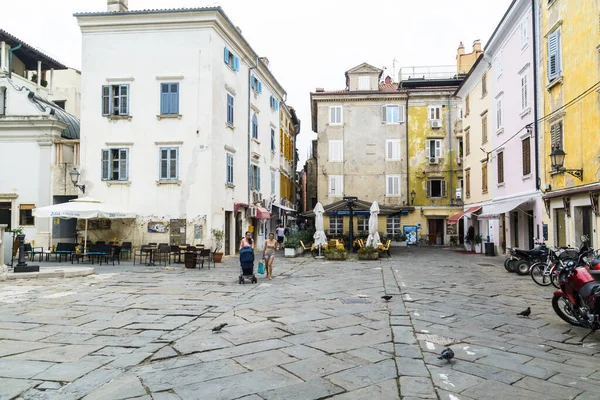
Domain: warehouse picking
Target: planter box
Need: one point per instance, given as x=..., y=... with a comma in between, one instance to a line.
x=468, y=246
x=478, y=248
x=368, y=256
x=289, y=252
x=337, y=256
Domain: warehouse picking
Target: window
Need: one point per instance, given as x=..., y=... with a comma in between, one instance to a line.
x=60, y=103
x=229, y=169
x=274, y=103
x=459, y=113
x=467, y=109
x=272, y=182
x=272, y=139
x=524, y=90
x=436, y=188
x=335, y=115
x=230, y=108
x=232, y=60
x=254, y=177
x=336, y=225
x=468, y=183
x=467, y=141
x=254, y=125
x=115, y=164
x=336, y=150
x=392, y=186
x=556, y=135
x=484, y=177
x=392, y=149
x=554, y=55
x=523, y=27
x=169, y=98
x=281, y=144
x=255, y=84
x=26, y=217
x=435, y=113
x=391, y=114
x=169, y=163
x=364, y=83
x=6, y=214
x=484, y=124
x=460, y=148
x=115, y=100
x=393, y=225
x=499, y=113
x=336, y=185
x=526, y=150
x=362, y=223
x=2, y=100
x=433, y=148
x=483, y=85
x=500, y=157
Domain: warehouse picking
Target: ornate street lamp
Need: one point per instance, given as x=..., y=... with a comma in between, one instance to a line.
x=350, y=202
x=557, y=160
x=75, y=178
x=413, y=194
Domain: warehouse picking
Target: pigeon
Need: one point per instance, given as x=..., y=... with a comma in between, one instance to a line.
x=219, y=327
x=447, y=355
x=387, y=297
x=526, y=313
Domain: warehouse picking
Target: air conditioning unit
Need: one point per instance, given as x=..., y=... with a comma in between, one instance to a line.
x=458, y=194
x=436, y=124
x=263, y=203
x=434, y=160
x=256, y=197
x=260, y=197
x=251, y=212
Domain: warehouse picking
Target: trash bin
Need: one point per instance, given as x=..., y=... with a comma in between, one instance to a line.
x=489, y=249
x=190, y=259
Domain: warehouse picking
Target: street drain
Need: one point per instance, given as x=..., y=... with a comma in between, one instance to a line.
x=355, y=301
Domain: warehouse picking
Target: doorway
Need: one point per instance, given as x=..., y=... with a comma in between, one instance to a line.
x=560, y=234
x=238, y=229
x=436, y=231
x=6, y=215
x=227, y=233
x=583, y=224
x=64, y=230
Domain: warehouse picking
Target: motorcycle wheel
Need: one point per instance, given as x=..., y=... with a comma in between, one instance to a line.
x=537, y=274
x=511, y=265
x=521, y=267
x=561, y=309
x=554, y=280
x=507, y=264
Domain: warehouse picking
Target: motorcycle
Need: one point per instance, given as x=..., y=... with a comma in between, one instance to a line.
x=577, y=302
x=520, y=261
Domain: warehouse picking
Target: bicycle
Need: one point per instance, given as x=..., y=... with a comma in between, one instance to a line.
x=424, y=241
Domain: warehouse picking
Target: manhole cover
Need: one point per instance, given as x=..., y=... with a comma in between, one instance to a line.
x=354, y=301
x=486, y=265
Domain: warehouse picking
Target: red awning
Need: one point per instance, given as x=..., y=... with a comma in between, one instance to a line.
x=236, y=207
x=263, y=213
x=456, y=217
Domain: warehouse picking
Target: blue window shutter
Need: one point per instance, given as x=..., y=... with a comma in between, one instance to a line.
x=173, y=161
x=164, y=98
x=251, y=177
x=259, y=87
x=106, y=99
x=276, y=105
x=174, y=103
x=236, y=63
x=226, y=55
x=258, y=180
x=123, y=164
x=124, y=100
x=163, y=164
x=105, y=164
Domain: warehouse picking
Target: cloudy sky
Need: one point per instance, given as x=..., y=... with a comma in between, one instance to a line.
x=310, y=43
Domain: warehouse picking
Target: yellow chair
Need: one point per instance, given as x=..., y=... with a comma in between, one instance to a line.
x=385, y=248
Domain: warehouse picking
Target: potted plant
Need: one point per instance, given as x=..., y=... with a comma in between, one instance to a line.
x=218, y=236
x=478, y=239
x=336, y=254
x=368, y=253
x=468, y=243
x=403, y=240
x=453, y=240
x=290, y=247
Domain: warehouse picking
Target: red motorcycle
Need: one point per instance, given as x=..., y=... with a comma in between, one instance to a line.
x=578, y=299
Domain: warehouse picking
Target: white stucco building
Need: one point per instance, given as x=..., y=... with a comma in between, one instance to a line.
x=185, y=136
x=39, y=143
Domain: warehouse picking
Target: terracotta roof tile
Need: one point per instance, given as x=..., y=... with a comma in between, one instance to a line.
x=383, y=87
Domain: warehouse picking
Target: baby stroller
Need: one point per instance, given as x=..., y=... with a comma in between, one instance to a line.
x=247, y=265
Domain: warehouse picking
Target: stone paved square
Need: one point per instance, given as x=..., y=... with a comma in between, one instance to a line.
x=146, y=332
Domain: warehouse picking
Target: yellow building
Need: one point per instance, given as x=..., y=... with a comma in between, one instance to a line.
x=569, y=83
x=287, y=150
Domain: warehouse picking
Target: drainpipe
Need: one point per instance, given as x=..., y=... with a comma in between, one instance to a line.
x=250, y=125
x=407, y=155
x=10, y=53
x=450, y=148
x=538, y=182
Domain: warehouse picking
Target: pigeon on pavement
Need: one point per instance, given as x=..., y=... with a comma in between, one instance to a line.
x=387, y=297
x=526, y=313
x=219, y=327
x=447, y=355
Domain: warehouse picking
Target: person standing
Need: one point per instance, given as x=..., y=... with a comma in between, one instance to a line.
x=247, y=241
x=280, y=234
x=269, y=254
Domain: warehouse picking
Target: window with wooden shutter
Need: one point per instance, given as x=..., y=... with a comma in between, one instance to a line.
x=335, y=115
x=467, y=109
x=169, y=163
x=392, y=185
x=467, y=141
x=336, y=185
x=436, y=188
x=254, y=127
x=484, y=130
x=500, y=158
x=468, y=183
x=524, y=90
x=526, y=150
x=169, y=98
x=554, y=55
x=499, y=113
x=115, y=164
x=484, y=177
x=556, y=135
x=392, y=149
x=483, y=85
x=336, y=153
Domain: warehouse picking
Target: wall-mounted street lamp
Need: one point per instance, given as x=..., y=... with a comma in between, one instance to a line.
x=557, y=160
x=413, y=194
x=75, y=178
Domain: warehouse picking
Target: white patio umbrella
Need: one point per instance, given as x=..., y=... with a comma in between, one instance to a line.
x=82, y=208
x=373, y=239
x=319, y=236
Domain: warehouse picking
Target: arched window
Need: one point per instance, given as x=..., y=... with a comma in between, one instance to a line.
x=255, y=127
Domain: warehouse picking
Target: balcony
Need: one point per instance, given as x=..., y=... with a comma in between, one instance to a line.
x=32, y=86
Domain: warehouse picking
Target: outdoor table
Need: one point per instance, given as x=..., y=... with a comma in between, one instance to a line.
x=151, y=250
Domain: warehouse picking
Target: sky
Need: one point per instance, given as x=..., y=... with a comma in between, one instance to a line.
x=309, y=43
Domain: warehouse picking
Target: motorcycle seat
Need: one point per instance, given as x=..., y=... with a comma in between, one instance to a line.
x=595, y=263
x=528, y=253
x=589, y=289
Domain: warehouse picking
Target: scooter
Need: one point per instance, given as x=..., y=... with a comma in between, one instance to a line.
x=520, y=261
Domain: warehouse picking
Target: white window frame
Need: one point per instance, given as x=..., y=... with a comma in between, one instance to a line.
x=524, y=33
x=364, y=83
x=499, y=113
x=437, y=148
x=392, y=185
x=232, y=122
x=334, y=113
x=392, y=225
x=336, y=151
x=337, y=222
x=554, y=49
x=434, y=113
x=114, y=102
x=112, y=163
x=385, y=114
x=170, y=161
x=229, y=169
x=392, y=150
x=362, y=223
x=524, y=78
x=336, y=185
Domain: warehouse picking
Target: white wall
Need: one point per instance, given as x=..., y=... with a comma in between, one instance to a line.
x=66, y=86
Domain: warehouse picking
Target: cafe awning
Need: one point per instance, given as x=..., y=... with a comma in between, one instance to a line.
x=456, y=217
x=281, y=206
x=493, y=210
x=263, y=213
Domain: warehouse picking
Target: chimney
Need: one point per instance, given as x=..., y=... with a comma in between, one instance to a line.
x=265, y=61
x=117, y=5
x=476, y=46
x=320, y=90
x=461, y=49
x=388, y=80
